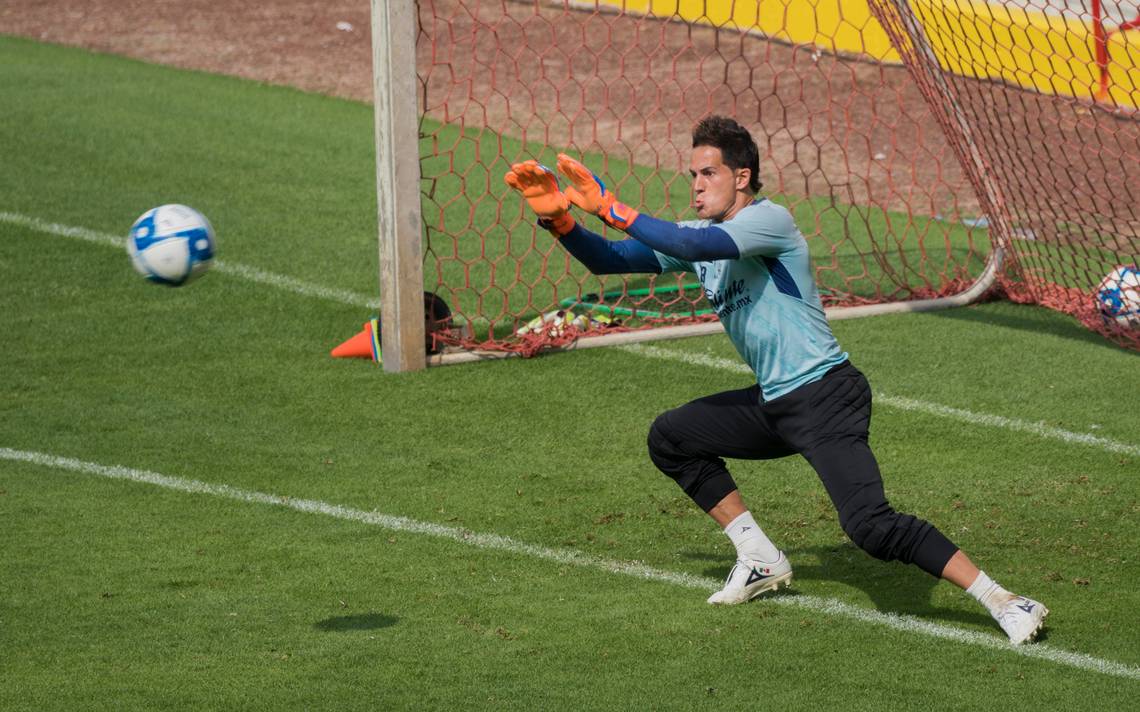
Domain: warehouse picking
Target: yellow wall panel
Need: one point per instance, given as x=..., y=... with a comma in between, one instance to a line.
x=1045, y=52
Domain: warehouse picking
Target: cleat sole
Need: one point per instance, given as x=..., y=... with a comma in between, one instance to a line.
x=1037, y=629
x=773, y=586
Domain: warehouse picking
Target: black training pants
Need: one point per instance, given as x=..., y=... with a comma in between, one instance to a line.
x=827, y=422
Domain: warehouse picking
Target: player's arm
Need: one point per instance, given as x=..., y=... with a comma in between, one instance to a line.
x=691, y=244
x=539, y=188
x=602, y=256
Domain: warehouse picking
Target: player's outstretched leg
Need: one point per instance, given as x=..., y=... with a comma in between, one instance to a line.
x=849, y=472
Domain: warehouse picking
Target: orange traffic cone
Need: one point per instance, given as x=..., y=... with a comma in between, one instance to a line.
x=366, y=344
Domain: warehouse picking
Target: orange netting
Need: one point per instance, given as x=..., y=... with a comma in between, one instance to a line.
x=1058, y=175
x=864, y=151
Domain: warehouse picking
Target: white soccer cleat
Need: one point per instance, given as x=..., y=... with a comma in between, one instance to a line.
x=1021, y=618
x=748, y=579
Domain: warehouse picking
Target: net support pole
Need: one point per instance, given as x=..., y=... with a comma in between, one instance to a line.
x=398, y=184
x=969, y=153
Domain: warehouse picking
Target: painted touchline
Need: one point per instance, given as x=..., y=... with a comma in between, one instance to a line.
x=828, y=606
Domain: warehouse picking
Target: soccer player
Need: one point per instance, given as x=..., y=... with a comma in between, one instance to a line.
x=753, y=264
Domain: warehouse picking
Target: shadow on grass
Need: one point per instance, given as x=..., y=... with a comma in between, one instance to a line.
x=1028, y=318
x=364, y=621
x=891, y=586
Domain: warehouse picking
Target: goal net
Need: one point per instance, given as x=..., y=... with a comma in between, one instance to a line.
x=909, y=165
x=1039, y=100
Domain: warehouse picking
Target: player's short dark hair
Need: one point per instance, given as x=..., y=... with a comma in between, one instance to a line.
x=737, y=147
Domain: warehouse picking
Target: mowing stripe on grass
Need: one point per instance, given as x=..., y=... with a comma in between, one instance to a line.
x=345, y=297
x=571, y=557
x=943, y=411
x=253, y=274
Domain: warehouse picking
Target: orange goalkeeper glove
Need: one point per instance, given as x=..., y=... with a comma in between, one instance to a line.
x=539, y=187
x=589, y=193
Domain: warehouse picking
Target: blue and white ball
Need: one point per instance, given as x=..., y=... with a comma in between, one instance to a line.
x=171, y=244
x=1118, y=295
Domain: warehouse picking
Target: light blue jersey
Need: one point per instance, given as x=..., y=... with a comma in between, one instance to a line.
x=767, y=299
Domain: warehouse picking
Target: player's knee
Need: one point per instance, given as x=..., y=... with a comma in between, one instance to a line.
x=662, y=450
x=657, y=434
x=871, y=532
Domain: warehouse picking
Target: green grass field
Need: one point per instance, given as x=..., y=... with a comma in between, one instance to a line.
x=202, y=510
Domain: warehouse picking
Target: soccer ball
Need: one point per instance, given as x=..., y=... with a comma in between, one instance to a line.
x=1118, y=295
x=171, y=244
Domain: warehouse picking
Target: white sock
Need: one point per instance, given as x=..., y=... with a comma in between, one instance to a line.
x=750, y=541
x=988, y=592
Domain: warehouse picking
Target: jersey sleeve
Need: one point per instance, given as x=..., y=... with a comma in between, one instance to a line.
x=602, y=256
x=676, y=264
x=763, y=230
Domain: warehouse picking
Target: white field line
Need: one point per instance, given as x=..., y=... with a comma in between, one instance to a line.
x=345, y=297
x=253, y=274
x=901, y=403
x=570, y=557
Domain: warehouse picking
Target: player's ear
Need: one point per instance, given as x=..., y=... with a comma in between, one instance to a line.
x=743, y=178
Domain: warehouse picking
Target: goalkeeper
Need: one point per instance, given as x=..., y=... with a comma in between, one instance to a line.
x=808, y=398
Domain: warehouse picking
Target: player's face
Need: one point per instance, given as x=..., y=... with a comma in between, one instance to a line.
x=717, y=189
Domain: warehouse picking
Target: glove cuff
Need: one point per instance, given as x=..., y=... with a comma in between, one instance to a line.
x=619, y=215
x=559, y=226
